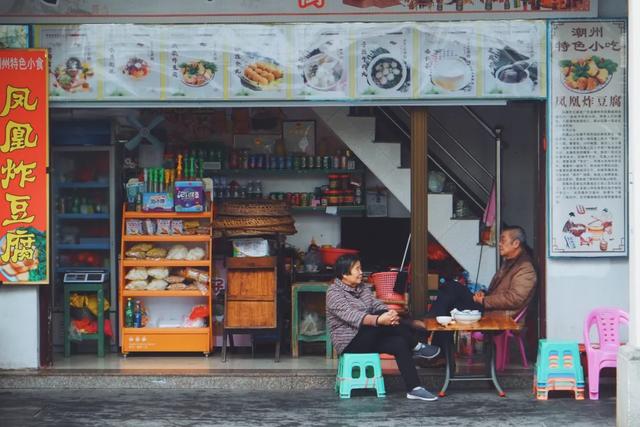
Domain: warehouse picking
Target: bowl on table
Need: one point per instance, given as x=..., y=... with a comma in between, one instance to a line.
x=444, y=320
x=466, y=316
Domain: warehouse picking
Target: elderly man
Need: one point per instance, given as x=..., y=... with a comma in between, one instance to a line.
x=511, y=289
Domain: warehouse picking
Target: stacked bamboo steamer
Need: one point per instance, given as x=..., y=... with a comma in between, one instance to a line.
x=242, y=218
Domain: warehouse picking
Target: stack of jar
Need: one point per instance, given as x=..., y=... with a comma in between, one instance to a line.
x=342, y=190
x=244, y=159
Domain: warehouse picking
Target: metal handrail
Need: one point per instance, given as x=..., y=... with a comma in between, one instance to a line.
x=462, y=147
x=472, y=197
x=479, y=120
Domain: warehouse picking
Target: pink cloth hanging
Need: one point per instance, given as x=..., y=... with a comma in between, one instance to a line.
x=489, y=217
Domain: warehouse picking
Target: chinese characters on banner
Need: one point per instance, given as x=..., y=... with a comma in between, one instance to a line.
x=588, y=149
x=24, y=195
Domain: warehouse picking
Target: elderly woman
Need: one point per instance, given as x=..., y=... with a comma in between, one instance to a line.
x=359, y=323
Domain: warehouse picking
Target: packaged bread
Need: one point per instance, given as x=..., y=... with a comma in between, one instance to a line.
x=157, y=285
x=138, y=273
x=177, y=226
x=174, y=279
x=158, y=272
x=157, y=253
x=195, y=274
x=178, y=252
x=136, y=285
x=195, y=254
x=141, y=247
x=135, y=254
x=164, y=226
x=180, y=286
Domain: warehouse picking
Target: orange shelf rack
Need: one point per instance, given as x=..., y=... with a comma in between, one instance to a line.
x=148, y=339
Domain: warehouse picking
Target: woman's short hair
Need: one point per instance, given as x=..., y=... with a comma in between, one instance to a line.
x=344, y=264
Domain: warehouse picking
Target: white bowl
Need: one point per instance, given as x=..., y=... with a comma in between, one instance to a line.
x=466, y=316
x=444, y=320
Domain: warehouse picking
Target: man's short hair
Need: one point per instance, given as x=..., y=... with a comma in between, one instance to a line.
x=517, y=233
x=344, y=264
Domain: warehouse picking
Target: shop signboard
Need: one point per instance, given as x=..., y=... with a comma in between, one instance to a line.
x=383, y=59
x=259, y=62
x=14, y=36
x=513, y=58
x=588, y=197
x=24, y=161
x=199, y=11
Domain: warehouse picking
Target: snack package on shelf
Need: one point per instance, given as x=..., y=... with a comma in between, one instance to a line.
x=195, y=274
x=133, y=227
x=138, y=273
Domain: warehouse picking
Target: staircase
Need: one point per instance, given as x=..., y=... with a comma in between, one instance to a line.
x=458, y=236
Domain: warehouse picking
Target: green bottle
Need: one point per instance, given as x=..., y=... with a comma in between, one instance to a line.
x=128, y=314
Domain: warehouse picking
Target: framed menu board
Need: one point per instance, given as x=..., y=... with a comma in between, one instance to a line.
x=588, y=139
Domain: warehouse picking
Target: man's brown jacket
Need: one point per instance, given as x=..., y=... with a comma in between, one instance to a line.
x=513, y=286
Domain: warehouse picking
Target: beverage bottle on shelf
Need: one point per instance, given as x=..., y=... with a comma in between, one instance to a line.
x=257, y=189
x=128, y=314
x=179, y=167
x=137, y=315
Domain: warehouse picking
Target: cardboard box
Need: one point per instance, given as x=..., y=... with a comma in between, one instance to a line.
x=157, y=202
x=432, y=282
x=189, y=196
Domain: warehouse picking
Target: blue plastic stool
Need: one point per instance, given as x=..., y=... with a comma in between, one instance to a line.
x=558, y=368
x=359, y=370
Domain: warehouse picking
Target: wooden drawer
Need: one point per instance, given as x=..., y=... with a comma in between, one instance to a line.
x=260, y=284
x=250, y=314
x=251, y=262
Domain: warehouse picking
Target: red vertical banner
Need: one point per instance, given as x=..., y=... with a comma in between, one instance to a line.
x=24, y=160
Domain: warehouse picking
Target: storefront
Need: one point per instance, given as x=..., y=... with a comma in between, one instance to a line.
x=213, y=93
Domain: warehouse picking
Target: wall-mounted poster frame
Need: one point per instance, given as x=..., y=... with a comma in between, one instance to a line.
x=588, y=148
x=299, y=136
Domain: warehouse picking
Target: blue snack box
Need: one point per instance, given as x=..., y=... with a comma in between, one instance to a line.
x=157, y=202
x=189, y=196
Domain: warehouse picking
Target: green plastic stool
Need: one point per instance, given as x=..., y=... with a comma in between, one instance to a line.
x=560, y=359
x=359, y=370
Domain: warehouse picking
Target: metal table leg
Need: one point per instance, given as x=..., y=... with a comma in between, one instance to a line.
x=448, y=368
x=492, y=367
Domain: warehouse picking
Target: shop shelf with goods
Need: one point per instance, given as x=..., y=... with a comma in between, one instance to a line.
x=165, y=297
x=83, y=218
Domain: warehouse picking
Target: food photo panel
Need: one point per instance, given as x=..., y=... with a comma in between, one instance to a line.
x=73, y=60
x=322, y=64
x=194, y=63
x=514, y=58
x=132, y=62
x=383, y=58
x=259, y=59
x=448, y=60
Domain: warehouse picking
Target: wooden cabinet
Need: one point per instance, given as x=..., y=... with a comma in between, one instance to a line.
x=251, y=298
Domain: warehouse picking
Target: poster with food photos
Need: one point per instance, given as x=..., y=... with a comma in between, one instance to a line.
x=448, y=64
x=514, y=59
x=14, y=36
x=588, y=196
x=193, y=62
x=73, y=60
x=383, y=59
x=132, y=68
x=259, y=59
x=322, y=61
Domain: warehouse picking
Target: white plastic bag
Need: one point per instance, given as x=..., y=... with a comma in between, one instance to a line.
x=312, y=324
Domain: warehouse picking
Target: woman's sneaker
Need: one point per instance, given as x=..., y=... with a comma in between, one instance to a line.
x=426, y=351
x=420, y=393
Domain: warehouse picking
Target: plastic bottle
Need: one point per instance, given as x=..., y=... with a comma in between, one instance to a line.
x=137, y=315
x=128, y=314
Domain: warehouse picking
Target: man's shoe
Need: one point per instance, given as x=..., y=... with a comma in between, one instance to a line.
x=426, y=351
x=419, y=393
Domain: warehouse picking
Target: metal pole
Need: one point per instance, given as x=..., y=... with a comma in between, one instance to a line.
x=498, y=133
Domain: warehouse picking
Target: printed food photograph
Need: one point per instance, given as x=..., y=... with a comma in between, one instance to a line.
x=136, y=68
x=31, y=269
x=587, y=75
x=386, y=72
x=260, y=75
x=322, y=71
x=197, y=73
x=73, y=75
x=451, y=74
